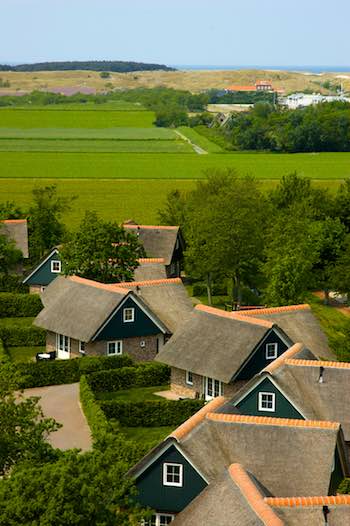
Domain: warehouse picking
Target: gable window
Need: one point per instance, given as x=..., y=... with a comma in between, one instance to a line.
x=172, y=474
x=213, y=388
x=271, y=351
x=114, y=348
x=267, y=402
x=82, y=347
x=62, y=343
x=128, y=315
x=189, y=378
x=55, y=266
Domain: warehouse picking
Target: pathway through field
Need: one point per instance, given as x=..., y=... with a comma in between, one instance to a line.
x=196, y=148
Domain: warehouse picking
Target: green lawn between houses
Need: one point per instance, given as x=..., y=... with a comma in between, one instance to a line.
x=136, y=394
x=20, y=354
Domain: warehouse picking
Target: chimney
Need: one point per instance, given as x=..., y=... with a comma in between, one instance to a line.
x=326, y=512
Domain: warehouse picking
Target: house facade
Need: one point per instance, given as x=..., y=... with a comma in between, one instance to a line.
x=44, y=273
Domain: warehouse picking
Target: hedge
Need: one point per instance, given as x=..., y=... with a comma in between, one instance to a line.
x=143, y=375
x=94, y=415
x=14, y=305
x=23, y=336
x=150, y=413
x=57, y=372
x=12, y=283
x=4, y=356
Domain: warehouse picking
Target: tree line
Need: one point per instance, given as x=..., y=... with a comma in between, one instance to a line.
x=116, y=66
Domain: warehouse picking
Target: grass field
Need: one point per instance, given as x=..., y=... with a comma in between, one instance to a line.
x=24, y=354
x=136, y=394
x=127, y=134
x=203, y=142
x=151, y=435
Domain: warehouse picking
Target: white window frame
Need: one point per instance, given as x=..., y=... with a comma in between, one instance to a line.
x=268, y=347
x=156, y=519
x=118, y=346
x=166, y=465
x=53, y=261
x=82, y=344
x=261, y=402
x=189, y=378
x=213, y=381
x=128, y=310
x=64, y=344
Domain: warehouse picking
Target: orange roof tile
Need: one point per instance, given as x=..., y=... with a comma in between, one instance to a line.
x=10, y=221
x=151, y=260
x=151, y=227
x=253, y=496
x=110, y=287
x=232, y=315
x=241, y=88
x=197, y=418
x=282, y=502
x=149, y=283
x=274, y=310
x=318, y=363
x=292, y=351
x=271, y=421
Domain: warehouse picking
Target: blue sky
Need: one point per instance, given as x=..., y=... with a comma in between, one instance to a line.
x=226, y=32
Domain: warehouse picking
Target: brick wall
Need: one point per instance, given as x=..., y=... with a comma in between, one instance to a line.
x=181, y=388
x=35, y=289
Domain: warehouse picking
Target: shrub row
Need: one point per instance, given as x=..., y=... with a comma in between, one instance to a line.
x=95, y=416
x=66, y=371
x=14, y=305
x=150, y=413
x=4, y=356
x=12, y=283
x=143, y=375
x=23, y=336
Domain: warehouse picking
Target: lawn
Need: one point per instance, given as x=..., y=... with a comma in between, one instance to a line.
x=136, y=394
x=89, y=133
x=24, y=354
x=59, y=118
x=201, y=141
x=332, y=321
x=151, y=435
x=15, y=322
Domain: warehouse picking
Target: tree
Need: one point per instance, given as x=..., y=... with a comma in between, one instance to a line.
x=9, y=210
x=342, y=204
x=9, y=254
x=101, y=250
x=174, y=211
x=340, y=280
x=46, y=228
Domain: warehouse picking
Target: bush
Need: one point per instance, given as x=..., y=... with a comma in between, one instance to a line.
x=4, y=356
x=150, y=413
x=90, y=364
x=143, y=375
x=12, y=283
x=23, y=336
x=14, y=305
x=95, y=416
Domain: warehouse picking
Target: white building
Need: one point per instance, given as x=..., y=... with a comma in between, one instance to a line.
x=298, y=100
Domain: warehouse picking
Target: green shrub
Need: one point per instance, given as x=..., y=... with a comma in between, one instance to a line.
x=4, y=356
x=14, y=305
x=200, y=289
x=143, y=375
x=150, y=413
x=90, y=364
x=12, y=283
x=95, y=416
x=23, y=336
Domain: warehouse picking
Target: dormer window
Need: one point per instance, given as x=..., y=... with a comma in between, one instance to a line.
x=271, y=351
x=128, y=315
x=172, y=474
x=56, y=266
x=267, y=402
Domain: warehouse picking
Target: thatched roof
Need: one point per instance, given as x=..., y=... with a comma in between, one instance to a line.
x=158, y=241
x=213, y=343
x=149, y=269
x=298, y=511
x=300, y=325
x=17, y=230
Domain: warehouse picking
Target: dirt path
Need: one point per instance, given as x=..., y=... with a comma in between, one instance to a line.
x=196, y=148
x=61, y=402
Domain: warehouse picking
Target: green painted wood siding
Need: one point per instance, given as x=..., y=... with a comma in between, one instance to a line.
x=283, y=408
x=257, y=362
x=43, y=276
x=116, y=328
x=152, y=493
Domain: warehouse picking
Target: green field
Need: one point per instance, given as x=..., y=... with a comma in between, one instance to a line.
x=127, y=134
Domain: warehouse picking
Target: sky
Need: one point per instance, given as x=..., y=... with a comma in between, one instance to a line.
x=193, y=32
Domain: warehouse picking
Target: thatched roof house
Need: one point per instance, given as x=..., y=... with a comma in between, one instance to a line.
x=16, y=230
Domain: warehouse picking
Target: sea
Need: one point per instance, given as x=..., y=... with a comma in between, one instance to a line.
x=301, y=69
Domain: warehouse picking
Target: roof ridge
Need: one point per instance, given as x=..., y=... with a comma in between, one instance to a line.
x=197, y=418
x=273, y=310
x=330, y=500
x=318, y=363
x=232, y=315
x=13, y=221
x=109, y=287
x=278, y=362
x=271, y=421
x=151, y=227
x=150, y=282
x=255, y=499
x=151, y=260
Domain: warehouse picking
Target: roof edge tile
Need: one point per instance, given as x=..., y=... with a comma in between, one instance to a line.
x=197, y=418
x=294, y=502
x=281, y=360
x=274, y=310
x=270, y=421
x=233, y=315
x=318, y=363
x=149, y=283
x=151, y=260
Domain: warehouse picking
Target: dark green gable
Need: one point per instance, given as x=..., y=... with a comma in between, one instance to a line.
x=257, y=361
x=116, y=328
x=337, y=474
x=43, y=275
x=153, y=494
x=283, y=408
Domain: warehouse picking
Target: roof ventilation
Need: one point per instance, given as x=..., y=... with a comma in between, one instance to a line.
x=326, y=512
x=320, y=378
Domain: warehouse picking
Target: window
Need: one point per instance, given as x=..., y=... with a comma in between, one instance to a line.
x=114, y=348
x=189, y=378
x=172, y=474
x=128, y=315
x=213, y=388
x=62, y=343
x=271, y=351
x=56, y=266
x=82, y=347
x=267, y=402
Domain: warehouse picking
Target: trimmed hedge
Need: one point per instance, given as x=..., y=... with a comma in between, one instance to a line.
x=66, y=371
x=142, y=375
x=150, y=413
x=95, y=416
x=12, y=283
x=23, y=336
x=13, y=305
x=4, y=356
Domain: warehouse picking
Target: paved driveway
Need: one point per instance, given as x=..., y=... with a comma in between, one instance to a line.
x=61, y=402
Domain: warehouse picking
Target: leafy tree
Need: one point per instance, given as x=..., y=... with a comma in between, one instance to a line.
x=101, y=250
x=46, y=228
x=9, y=254
x=174, y=211
x=171, y=117
x=342, y=204
x=340, y=280
x=9, y=210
